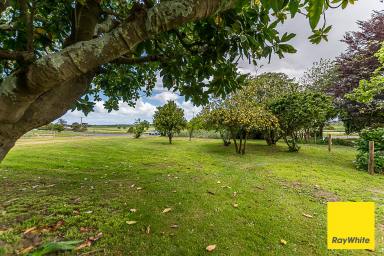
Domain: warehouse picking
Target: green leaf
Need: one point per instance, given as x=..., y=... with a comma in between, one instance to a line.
x=315, y=11
x=293, y=7
x=55, y=247
x=286, y=37
x=287, y=48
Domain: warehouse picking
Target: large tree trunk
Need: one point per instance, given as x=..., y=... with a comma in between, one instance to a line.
x=50, y=86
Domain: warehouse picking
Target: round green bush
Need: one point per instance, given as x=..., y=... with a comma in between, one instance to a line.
x=376, y=135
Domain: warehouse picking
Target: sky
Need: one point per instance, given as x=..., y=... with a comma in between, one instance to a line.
x=293, y=65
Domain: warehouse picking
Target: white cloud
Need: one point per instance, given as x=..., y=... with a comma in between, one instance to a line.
x=163, y=97
x=126, y=114
x=189, y=109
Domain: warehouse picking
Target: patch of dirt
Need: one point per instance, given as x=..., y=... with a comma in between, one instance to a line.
x=315, y=191
x=325, y=196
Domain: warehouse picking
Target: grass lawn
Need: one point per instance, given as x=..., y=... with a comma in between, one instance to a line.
x=92, y=183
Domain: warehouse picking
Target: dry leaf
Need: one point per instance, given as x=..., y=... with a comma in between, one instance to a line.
x=167, y=210
x=29, y=230
x=234, y=194
x=148, y=230
x=307, y=215
x=89, y=241
x=133, y=185
x=218, y=182
x=211, y=247
x=131, y=222
x=210, y=192
x=235, y=205
x=139, y=188
x=174, y=226
x=26, y=250
x=283, y=242
x=133, y=210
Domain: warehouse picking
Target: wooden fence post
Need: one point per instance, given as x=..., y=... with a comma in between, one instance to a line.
x=329, y=142
x=371, y=159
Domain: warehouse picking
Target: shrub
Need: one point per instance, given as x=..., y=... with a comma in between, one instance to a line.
x=376, y=135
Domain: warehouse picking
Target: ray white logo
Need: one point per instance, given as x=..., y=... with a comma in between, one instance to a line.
x=350, y=240
x=351, y=225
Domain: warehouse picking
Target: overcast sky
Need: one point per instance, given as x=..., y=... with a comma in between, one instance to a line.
x=294, y=64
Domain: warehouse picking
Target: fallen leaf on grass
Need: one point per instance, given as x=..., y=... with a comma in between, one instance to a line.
x=133, y=210
x=235, y=205
x=29, y=230
x=131, y=222
x=307, y=215
x=211, y=247
x=89, y=241
x=44, y=229
x=218, y=182
x=210, y=192
x=148, y=229
x=85, y=229
x=139, y=188
x=174, y=226
x=283, y=242
x=167, y=210
x=26, y=250
x=88, y=212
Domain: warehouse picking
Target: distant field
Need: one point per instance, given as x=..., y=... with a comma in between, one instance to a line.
x=244, y=204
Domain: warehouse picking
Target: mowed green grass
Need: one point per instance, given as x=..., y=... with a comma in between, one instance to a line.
x=91, y=184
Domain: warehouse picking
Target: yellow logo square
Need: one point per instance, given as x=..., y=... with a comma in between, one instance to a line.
x=351, y=225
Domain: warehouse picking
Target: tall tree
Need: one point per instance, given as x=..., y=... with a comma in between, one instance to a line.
x=169, y=119
x=358, y=63
x=60, y=55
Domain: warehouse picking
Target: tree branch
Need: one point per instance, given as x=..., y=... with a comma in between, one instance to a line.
x=106, y=26
x=84, y=57
x=24, y=56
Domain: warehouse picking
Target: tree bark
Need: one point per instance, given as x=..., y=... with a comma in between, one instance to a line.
x=51, y=85
x=170, y=138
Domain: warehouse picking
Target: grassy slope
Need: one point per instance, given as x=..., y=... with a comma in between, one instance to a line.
x=274, y=188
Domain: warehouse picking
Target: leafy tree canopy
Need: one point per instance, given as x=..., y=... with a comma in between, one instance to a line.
x=372, y=89
x=356, y=64
x=301, y=110
x=58, y=55
x=186, y=57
